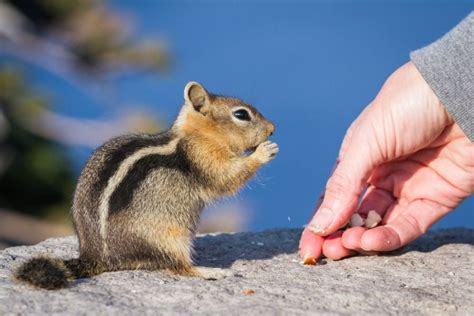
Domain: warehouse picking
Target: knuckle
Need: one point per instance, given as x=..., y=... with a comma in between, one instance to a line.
x=418, y=228
x=339, y=183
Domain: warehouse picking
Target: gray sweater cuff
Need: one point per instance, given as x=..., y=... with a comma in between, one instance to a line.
x=447, y=65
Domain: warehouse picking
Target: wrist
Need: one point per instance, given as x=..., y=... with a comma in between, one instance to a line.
x=431, y=98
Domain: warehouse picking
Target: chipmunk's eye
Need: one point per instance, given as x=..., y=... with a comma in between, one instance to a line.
x=242, y=115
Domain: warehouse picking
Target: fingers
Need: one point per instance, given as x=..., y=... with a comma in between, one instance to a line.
x=376, y=199
x=343, y=190
x=333, y=248
x=351, y=238
x=310, y=245
x=343, y=244
x=359, y=154
x=406, y=224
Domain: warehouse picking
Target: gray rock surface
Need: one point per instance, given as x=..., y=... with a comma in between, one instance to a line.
x=434, y=275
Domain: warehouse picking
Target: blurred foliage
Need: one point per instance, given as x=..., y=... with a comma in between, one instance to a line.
x=95, y=36
x=36, y=176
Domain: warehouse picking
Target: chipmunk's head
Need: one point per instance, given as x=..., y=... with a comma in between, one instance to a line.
x=225, y=119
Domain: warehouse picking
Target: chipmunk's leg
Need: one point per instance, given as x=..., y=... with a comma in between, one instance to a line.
x=176, y=242
x=183, y=266
x=156, y=258
x=149, y=242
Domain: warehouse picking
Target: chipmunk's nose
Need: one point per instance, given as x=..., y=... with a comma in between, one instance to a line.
x=271, y=129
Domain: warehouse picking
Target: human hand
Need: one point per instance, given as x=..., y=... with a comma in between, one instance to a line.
x=415, y=162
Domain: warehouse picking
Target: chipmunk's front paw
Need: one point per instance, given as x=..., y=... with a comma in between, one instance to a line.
x=266, y=151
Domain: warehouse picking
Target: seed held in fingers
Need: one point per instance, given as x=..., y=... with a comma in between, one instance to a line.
x=356, y=221
x=373, y=219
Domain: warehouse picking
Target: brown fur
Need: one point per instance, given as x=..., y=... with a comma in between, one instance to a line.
x=139, y=198
x=218, y=148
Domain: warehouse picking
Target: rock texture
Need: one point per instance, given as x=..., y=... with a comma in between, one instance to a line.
x=434, y=275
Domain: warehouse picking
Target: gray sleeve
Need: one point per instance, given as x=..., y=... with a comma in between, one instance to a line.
x=447, y=65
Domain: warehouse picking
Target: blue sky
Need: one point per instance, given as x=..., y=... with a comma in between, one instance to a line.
x=310, y=66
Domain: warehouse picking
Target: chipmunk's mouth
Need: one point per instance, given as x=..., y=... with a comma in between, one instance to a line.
x=250, y=151
x=261, y=141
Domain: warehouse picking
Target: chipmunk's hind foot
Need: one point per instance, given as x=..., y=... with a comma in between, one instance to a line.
x=211, y=273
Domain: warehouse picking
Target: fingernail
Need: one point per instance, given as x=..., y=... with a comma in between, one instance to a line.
x=322, y=220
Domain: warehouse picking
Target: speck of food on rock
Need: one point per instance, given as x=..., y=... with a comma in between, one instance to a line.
x=309, y=260
x=248, y=292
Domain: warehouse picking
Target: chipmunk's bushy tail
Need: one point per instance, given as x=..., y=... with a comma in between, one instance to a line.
x=53, y=273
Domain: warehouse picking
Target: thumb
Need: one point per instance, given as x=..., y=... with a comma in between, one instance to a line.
x=344, y=188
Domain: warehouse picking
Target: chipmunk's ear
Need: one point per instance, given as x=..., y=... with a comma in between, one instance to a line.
x=197, y=96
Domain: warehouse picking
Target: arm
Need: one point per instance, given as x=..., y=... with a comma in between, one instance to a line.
x=447, y=65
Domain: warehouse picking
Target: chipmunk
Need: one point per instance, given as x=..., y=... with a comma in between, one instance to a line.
x=139, y=197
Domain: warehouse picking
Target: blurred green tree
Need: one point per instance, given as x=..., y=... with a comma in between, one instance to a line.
x=83, y=37
x=35, y=175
